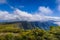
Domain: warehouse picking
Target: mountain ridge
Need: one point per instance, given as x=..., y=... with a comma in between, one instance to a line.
x=32, y=24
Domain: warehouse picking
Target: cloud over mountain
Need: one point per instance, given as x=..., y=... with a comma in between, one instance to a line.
x=18, y=15
x=25, y=16
x=45, y=10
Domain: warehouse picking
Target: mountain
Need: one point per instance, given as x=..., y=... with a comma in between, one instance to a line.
x=33, y=24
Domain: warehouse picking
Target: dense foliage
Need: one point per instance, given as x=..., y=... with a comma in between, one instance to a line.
x=11, y=32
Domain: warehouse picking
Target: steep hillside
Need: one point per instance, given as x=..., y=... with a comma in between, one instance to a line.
x=30, y=25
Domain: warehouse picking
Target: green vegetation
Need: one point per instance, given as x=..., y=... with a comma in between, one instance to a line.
x=13, y=32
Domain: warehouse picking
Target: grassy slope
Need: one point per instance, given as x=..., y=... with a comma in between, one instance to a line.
x=14, y=32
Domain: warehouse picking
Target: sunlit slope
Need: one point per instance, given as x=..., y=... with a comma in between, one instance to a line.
x=9, y=28
x=15, y=31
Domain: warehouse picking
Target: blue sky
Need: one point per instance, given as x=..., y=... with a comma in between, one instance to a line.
x=32, y=5
x=30, y=10
x=28, y=5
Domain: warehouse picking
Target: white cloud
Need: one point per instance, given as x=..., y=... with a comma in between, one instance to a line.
x=21, y=15
x=25, y=16
x=4, y=15
x=58, y=23
x=3, y=1
x=53, y=18
x=45, y=10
